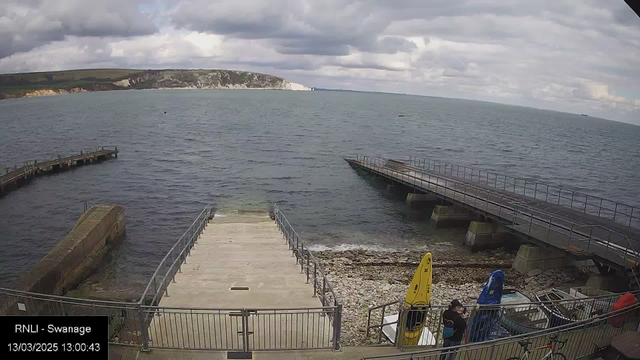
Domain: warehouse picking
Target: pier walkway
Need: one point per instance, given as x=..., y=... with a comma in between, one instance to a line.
x=240, y=262
x=241, y=288
x=13, y=178
x=582, y=226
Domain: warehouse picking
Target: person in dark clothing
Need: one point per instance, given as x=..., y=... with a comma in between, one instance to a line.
x=454, y=317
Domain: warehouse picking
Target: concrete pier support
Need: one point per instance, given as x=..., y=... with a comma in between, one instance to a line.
x=418, y=200
x=486, y=235
x=611, y=283
x=448, y=216
x=398, y=190
x=533, y=257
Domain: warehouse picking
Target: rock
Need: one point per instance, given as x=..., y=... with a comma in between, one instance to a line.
x=534, y=272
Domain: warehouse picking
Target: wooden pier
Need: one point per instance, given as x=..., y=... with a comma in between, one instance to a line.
x=18, y=176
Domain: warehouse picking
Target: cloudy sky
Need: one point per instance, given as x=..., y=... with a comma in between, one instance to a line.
x=575, y=56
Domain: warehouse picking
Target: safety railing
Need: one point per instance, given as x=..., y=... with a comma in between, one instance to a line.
x=8, y=174
x=147, y=325
x=173, y=260
x=310, y=266
x=189, y=328
x=607, y=244
x=577, y=339
x=486, y=321
x=126, y=320
x=241, y=329
x=588, y=204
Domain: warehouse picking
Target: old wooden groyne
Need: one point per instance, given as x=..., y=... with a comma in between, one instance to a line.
x=17, y=176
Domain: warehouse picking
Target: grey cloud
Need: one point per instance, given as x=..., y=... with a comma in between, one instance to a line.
x=25, y=25
x=294, y=27
x=542, y=52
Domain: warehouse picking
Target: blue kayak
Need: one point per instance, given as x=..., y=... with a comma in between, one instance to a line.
x=485, y=322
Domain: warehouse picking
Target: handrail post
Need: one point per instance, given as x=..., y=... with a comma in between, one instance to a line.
x=586, y=201
x=337, y=325
x=573, y=194
x=308, y=258
x=324, y=290
x=530, y=223
x=590, y=237
x=143, y=329
x=570, y=235
x=384, y=308
x=399, y=340
x=600, y=207
x=315, y=278
x=615, y=212
x=301, y=259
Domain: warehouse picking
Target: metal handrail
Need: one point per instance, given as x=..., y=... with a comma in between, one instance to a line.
x=381, y=165
x=539, y=188
x=31, y=164
x=300, y=250
x=608, y=298
x=65, y=299
x=563, y=329
x=183, y=245
x=306, y=260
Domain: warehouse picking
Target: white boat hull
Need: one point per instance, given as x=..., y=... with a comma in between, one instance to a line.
x=389, y=331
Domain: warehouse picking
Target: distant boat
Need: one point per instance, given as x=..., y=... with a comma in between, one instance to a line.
x=521, y=319
x=584, y=114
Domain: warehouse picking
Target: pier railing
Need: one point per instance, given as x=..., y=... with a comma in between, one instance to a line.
x=486, y=321
x=30, y=164
x=310, y=266
x=575, y=238
x=593, y=205
x=173, y=260
x=579, y=339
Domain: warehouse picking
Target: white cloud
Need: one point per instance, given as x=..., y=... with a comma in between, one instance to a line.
x=561, y=55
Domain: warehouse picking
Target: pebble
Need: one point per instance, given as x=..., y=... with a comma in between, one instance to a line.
x=364, y=279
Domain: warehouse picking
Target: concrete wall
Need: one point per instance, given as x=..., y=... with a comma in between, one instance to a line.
x=421, y=200
x=78, y=254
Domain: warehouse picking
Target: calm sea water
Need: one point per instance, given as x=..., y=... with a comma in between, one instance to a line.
x=248, y=149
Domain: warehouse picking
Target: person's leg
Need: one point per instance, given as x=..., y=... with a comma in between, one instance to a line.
x=444, y=353
x=453, y=353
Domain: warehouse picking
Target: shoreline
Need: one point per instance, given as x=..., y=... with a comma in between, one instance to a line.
x=57, y=92
x=367, y=278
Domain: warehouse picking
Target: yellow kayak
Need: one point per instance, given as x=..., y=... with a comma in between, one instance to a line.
x=418, y=297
